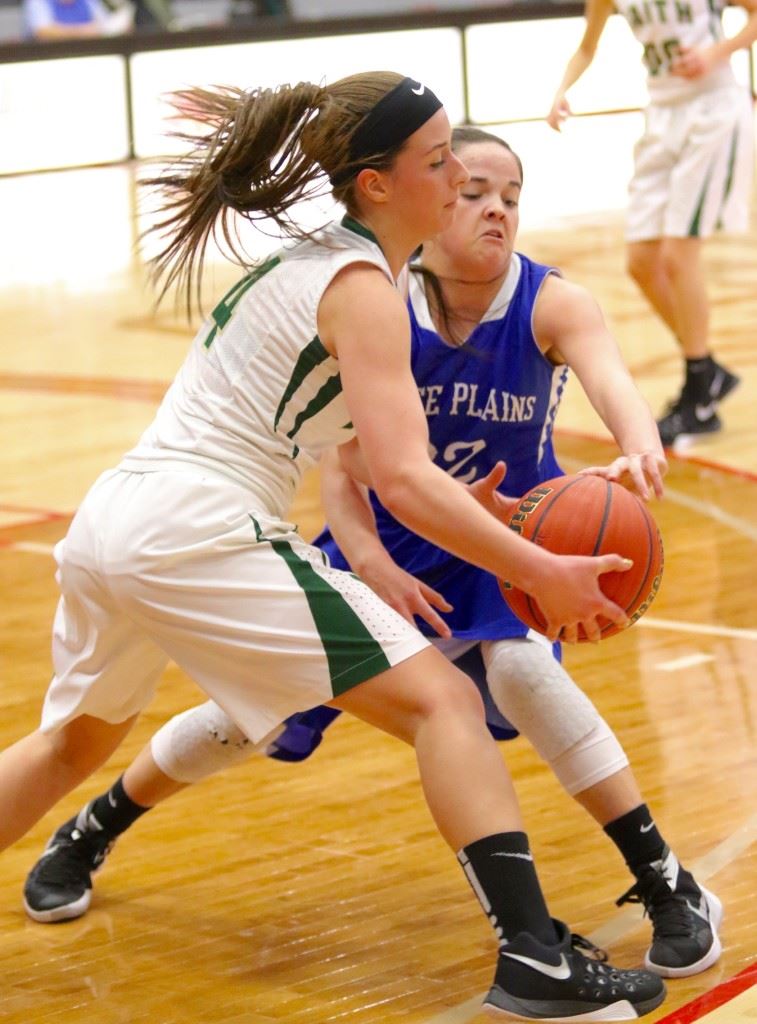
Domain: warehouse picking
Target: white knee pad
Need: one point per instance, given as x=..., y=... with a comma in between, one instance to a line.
x=534, y=692
x=195, y=744
x=594, y=758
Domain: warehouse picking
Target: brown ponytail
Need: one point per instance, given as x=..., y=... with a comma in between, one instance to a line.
x=261, y=152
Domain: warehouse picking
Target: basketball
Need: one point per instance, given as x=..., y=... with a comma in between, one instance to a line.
x=587, y=515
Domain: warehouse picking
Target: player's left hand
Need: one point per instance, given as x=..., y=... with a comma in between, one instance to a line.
x=642, y=469
x=485, y=492
x=693, y=62
x=407, y=594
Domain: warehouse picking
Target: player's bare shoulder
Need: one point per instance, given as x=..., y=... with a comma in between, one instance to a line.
x=360, y=301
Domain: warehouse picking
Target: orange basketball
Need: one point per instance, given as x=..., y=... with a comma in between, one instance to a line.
x=586, y=515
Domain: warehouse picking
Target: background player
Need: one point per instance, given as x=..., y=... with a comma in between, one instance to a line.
x=693, y=171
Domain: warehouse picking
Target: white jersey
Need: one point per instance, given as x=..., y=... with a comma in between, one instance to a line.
x=258, y=397
x=663, y=27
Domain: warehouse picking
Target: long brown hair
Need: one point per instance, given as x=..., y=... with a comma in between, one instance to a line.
x=256, y=153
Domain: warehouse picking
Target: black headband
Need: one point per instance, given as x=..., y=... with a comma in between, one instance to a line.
x=395, y=117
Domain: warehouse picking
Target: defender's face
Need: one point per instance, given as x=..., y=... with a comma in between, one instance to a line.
x=479, y=242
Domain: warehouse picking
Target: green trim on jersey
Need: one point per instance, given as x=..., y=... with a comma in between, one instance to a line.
x=697, y=218
x=352, y=653
x=327, y=393
x=311, y=356
x=359, y=229
x=729, y=173
x=731, y=166
x=225, y=308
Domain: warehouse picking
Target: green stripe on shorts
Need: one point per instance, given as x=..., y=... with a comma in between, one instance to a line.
x=352, y=652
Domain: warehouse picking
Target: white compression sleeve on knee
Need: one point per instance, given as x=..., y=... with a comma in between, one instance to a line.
x=195, y=744
x=535, y=693
x=595, y=757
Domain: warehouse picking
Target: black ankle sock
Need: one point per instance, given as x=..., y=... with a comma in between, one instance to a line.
x=501, y=872
x=115, y=811
x=637, y=838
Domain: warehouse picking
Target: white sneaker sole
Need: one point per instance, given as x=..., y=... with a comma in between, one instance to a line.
x=72, y=910
x=622, y=1010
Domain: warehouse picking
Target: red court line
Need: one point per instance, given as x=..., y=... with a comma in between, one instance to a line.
x=709, y=1001
x=122, y=387
x=37, y=517
x=694, y=460
x=154, y=390
x=41, y=515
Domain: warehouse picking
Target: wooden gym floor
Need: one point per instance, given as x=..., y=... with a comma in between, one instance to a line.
x=321, y=892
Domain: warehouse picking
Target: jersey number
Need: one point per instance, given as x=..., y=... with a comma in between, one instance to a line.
x=457, y=455
x=658, y=58
x=222, y=313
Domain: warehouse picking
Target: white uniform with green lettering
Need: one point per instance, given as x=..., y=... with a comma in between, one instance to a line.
x=182, y=552
x=693, y=165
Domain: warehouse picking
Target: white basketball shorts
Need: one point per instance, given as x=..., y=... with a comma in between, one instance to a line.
x=693, y=168
x=177, y=565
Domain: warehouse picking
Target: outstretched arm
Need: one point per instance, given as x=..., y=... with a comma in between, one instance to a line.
x=570, y=327
x=597, y=13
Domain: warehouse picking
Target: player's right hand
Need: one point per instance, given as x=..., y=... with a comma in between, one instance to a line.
x=572, y=597
x=560, y=112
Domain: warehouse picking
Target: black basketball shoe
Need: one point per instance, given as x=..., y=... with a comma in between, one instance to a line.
x=695, y=411
x=59, y=886
x=561, y=983
x=686, y=419
x=685, y=918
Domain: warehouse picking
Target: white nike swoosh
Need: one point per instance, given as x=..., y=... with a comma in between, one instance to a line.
x=646, y=828
x=112, y=800
x=701, y=911
x=704, y=412
x=717, y=383
x=523, y=856
x=419, y=91
x=560, y=973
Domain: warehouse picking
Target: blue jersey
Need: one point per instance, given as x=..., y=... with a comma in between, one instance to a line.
x=493, y=398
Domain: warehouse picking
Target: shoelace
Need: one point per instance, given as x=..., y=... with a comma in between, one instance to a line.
x=667, y=910
x=585, y=946
x=82, y=855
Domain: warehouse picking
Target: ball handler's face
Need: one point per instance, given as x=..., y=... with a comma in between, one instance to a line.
x=425, y=179
x=478, y=244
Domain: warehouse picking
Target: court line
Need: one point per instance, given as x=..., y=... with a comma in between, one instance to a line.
x=689, y=661
x=40, y=514
x=713, y=511
x=723, y=993
x=707, y=509
x=154, y=390
x=101, y=387
x=28, y=547
x=629, y=919
x=651, y=622
x=694, y=460
x=648, y=622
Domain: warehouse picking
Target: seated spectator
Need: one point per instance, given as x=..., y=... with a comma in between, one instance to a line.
x=66, y=19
